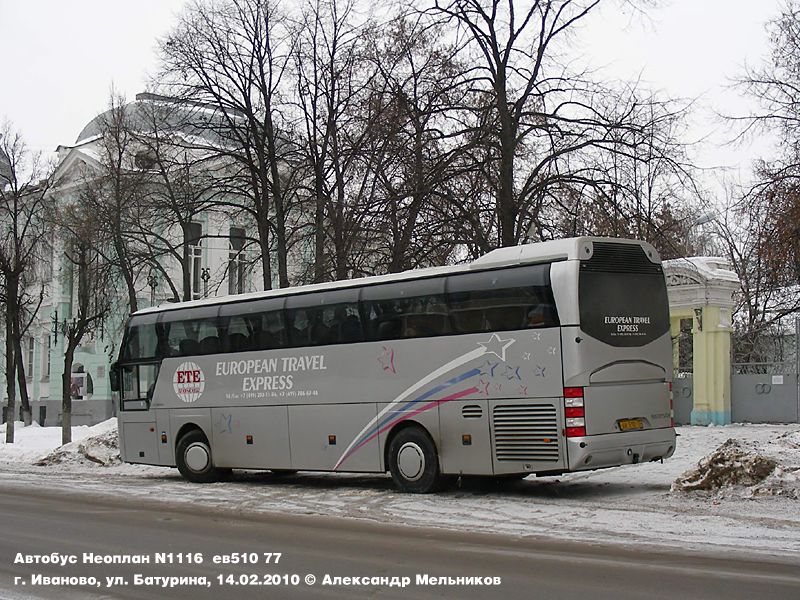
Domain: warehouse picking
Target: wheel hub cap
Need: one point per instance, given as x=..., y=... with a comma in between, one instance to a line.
x=411, y=461
x=197, y=457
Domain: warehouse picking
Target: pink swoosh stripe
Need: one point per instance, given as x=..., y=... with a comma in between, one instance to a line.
x=403, y=417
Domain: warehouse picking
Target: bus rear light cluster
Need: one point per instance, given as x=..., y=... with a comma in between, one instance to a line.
x=574, y=412
x=671, y=408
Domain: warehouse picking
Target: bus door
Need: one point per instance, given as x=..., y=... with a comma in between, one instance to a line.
x=140, y=426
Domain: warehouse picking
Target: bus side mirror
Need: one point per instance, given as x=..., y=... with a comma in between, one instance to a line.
x=113, y=376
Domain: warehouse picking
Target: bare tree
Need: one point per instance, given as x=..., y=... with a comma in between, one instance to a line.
x=24, y=211
x=644, y=185
x=89, y=277
x=233, y=56
x=422, y=97
x=334, y=79
x=541, y=122
x=182, y=184
x=762, y=238
x=776, y=86
x=112, y=193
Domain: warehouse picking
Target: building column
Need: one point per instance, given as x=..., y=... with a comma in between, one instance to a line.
x=712, y=366
x=674, y=333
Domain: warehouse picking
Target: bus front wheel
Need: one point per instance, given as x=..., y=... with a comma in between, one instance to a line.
x=413, y=461
x=193, y=457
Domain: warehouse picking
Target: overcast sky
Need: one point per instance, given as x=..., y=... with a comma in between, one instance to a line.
x=60, y=59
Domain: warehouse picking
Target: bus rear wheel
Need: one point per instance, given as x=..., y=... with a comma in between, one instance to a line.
x=413, y=462
x=194, y=460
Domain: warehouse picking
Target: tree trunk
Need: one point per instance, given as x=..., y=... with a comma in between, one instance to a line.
x=11, y=317
x=280, y=240
x=319, y=227
x=10, y=387
x=277, y=203
x=23, y=386
x=66, y=395
x=186, y=266
x=263, y=242
x=127, y=275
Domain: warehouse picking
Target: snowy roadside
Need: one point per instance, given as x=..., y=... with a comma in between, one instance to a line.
x=626, y=505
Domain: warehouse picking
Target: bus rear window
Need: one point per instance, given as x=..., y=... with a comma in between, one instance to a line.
x=622, y=297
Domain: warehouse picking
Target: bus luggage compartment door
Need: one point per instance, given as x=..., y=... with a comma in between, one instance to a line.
x=465, y=443
x=624, y=407
x=138, y=430
x=526, y=435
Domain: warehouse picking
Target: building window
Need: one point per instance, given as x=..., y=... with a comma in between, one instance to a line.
x=196, y=259
x=29, y=357
x=46, y=357
x=236, y=261
x=144, y=160
x=47, y=261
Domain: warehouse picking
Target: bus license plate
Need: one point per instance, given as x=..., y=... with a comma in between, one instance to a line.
x=630, y=424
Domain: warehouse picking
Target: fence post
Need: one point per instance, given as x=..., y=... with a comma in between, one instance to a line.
x=797, y=361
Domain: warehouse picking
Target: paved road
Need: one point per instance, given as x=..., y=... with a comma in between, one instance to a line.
x=38, y=522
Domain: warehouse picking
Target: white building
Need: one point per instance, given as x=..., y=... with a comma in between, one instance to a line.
x=221, y=260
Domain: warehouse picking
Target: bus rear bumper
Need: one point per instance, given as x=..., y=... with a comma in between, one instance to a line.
x=614, y=449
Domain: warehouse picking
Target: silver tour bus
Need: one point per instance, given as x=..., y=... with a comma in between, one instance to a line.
x=544, y=358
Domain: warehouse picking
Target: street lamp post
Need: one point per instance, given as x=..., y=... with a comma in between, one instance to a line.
x=152, y=281
x=205, y=275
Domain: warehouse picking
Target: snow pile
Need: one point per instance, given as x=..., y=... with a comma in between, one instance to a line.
x=17, y=426
x=747, y=468
x=100, y=446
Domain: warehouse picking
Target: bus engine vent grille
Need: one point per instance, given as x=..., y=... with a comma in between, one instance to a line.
x=472, y=411
x=620, y=258
x=525, y=432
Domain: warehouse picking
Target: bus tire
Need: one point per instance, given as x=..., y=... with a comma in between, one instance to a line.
x=194, y=460
x=414, y=462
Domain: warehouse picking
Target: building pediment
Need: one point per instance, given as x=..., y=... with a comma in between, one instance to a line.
x=75, y=166
x=699, y=281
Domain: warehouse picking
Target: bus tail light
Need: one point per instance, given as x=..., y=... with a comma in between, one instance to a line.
x=575, y=432
x=574, y=412
x=671, y=406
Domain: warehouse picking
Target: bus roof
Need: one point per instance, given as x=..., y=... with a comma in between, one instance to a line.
x=563, y=249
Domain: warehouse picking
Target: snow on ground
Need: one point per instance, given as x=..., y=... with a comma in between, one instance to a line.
x=735, y=508
x=31, y=443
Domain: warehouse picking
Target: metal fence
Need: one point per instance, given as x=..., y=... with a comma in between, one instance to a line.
x=762, y=391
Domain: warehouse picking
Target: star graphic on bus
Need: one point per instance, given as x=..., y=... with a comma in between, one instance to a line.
x=512, y=373
x=386, y=359
x=539, y=371
x=495, y=345
x=488, y=368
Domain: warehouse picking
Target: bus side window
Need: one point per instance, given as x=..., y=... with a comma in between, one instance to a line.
x=405, y=310
x=502, y=300
x=324, y=318
x=299, y=327
x=350, y=329
x=273, y=331
x=235, y=334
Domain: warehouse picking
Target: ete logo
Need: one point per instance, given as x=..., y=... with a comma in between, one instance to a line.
x=189, y=381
